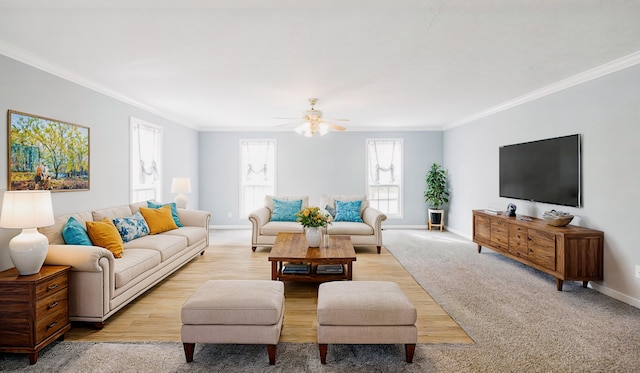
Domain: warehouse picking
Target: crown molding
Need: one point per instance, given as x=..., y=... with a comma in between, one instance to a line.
x=592, y=74
x=47, y=66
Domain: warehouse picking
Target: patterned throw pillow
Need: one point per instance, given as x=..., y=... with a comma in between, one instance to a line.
x=74, y=233
x=348, y=211
x=174, y=210
x=285, y=210
x=131, y=227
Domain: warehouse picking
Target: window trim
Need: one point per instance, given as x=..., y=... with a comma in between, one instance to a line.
x=400, y=184
x=241, y=212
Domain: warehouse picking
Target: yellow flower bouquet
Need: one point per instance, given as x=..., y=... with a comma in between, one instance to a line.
x=312, y=217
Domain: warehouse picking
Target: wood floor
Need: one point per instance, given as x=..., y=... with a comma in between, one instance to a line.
x=155, y=316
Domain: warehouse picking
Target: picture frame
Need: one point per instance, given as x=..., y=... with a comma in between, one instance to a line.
x=47, y=154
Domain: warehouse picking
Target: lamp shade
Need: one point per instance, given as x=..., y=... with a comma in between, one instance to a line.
x=181, y=185
x=26, y=209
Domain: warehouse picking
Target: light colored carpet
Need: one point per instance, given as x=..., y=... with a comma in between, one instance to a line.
x=518, y=319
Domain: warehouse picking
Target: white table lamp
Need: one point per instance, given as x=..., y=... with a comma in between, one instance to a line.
x=181, y=185
x=27, y=210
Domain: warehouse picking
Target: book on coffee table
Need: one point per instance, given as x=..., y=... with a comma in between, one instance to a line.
x=329, y=269
x=291, y=269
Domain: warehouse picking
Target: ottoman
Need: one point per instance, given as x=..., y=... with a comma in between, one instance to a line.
x=234, y=312
x=365, y=312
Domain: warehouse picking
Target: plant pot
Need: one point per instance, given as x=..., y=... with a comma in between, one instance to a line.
x=436, y=218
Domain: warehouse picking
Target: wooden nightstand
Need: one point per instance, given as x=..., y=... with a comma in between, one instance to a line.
x=34, y=310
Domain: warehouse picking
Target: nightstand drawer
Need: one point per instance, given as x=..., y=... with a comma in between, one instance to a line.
x=51, y=286
x=51, y=324
x=51, y=304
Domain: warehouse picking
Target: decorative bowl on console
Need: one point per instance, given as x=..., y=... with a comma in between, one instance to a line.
x=557, y=218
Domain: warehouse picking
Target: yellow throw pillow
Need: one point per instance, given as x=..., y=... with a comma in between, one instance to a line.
x=159, y=220
x=105, y=234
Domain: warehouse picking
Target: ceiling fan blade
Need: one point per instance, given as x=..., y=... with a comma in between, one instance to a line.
x=334, y=126
x=336, y=120
x=287, y=118
x=290, y=123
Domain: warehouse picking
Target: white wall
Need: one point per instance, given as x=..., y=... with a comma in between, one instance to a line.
x=606, y=111
x=26, y=89
x=332, y=164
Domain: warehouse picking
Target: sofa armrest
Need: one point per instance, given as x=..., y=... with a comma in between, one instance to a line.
x=260, y=217
x=374, y=218
x=80, y=258
x=194, y=218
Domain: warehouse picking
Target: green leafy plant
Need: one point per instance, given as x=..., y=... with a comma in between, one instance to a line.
x=436, y=194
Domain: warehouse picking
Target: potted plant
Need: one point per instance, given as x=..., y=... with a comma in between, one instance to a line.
x=436, y=194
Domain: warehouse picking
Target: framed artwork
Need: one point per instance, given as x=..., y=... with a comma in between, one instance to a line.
x=46, y=154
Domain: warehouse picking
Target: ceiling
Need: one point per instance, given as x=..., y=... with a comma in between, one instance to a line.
x=384, y=64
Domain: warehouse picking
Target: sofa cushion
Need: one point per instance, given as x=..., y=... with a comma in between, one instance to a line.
x=268, y=200
x=350, y=228
x=54, y=232
x=166, y=245
x=74, y=233
x=192, y=234
x=285, y=210
x=112, y=213
x=105, y=234
x=131, y=227
x=133, y=263
x=272, y=228
x=348, y=211
x=174, y=210
x=159, y=219
x=330, y=200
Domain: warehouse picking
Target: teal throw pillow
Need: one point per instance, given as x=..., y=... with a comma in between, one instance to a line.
x=174, y=210
x=285, y=210
x=131, y=227
x=348, y=211
x=74, y=233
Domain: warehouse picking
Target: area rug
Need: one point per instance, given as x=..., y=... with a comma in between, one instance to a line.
x=517, y=318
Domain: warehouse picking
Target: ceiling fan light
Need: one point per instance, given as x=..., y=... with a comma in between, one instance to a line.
x=324, y=129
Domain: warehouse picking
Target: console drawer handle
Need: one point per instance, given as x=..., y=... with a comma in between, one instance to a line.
x=52, y=325
x=52, y=286
x=52, y=305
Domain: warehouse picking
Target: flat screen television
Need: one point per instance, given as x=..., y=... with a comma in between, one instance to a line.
x=542, y=171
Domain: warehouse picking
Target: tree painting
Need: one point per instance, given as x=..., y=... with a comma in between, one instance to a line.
x=47, y=154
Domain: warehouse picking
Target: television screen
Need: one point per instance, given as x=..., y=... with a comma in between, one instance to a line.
x=543, y=171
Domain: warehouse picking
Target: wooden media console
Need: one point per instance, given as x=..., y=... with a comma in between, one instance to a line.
x=568, y=253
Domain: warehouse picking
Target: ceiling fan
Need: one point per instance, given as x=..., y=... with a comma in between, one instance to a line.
x=312, y=122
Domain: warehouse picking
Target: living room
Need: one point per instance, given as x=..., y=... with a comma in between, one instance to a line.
x=598, y=101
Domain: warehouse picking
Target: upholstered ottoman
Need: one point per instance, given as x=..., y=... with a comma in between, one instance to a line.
x=365, y=312
x=234, y=312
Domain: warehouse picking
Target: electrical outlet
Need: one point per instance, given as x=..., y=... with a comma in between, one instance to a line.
x=638, y=270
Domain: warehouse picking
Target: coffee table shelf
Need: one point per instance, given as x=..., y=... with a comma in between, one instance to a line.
x=293, y=248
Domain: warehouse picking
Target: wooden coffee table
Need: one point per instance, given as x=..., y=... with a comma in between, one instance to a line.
x=292, y=248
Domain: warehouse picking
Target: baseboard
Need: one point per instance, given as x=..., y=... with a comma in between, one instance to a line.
x=615, y=294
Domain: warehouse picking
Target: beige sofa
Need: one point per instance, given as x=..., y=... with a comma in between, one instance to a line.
x=99, y=284
x=367, y=233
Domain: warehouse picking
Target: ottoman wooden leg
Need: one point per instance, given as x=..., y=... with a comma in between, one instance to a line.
x=188, y=351
x=409, y=349
x=323, y=353
x=271, y=349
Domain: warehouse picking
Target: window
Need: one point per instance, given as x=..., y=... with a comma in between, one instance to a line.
x=257, y=173
x=384, y=174
x=146, y=161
